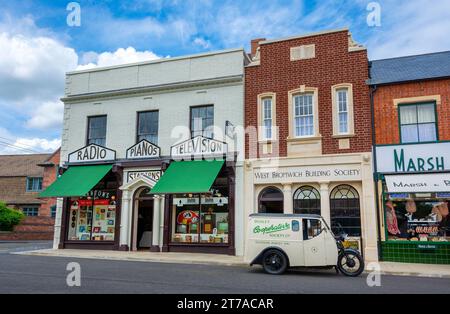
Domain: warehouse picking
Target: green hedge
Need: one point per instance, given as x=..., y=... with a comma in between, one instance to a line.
x=9, y=217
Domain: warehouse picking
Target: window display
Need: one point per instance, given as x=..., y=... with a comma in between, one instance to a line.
x=417, y=217
x=200, y=219
x=92, y=219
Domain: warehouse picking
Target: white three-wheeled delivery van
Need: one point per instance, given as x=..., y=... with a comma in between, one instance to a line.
x=279, y=241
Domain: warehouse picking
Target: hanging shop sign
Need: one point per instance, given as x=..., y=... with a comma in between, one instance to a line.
x=413, y=158
x=143, y=149
x=437, y=182
x=92, y=153
x=153, y=175
x=307, y=174
x=198, y=146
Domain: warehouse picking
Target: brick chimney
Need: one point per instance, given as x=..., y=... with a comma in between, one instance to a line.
x=255, y=45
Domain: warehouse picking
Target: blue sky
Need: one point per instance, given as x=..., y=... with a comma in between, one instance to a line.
x=38, y=46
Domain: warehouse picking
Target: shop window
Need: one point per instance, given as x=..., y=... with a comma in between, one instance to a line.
x=418, y=123
x=34, y=184
x=97, y=130
x=307, y=201
x=417, y=217
x=147, y=128
x=271, y=201
x=93, y=218
x=30, y=211
x=202, y=121
x=311, y=228
x=345, y=211
x=202, y=218
x=304, y=115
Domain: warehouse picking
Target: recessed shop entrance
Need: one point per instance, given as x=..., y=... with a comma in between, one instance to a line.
x=143, y=219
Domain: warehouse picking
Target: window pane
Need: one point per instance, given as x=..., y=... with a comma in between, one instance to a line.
x=408, y=114
x=409, y=133
x=202, y=121
x=97, y=130
x=343, y=122
x=426, y=113
x=148, y=126
x=427, y=132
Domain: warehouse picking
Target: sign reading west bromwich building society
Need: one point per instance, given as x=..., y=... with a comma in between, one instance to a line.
x=413, y=158
x=92, y=153
x=198, y=146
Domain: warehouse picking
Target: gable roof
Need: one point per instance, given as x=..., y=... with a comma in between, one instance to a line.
x=410, y=68
x=22, y=165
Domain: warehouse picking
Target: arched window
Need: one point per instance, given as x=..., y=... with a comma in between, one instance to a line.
x=307, y=201
x=270, y=201
x=345, y=210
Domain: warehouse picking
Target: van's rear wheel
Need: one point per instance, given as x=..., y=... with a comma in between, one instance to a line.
x=274, y=262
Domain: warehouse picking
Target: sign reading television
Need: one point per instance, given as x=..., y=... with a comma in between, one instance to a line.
x=413, y=158
x=92, y=153
x=198, y=146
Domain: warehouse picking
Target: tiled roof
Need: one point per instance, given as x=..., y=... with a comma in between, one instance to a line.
x=411, y=68
x=22, y=165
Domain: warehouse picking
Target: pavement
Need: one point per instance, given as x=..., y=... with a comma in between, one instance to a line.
x=386, y=268
x=48, y=274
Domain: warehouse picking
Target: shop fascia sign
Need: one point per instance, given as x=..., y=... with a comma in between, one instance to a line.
x=143, y=149
x=413, y=158
x=436, y=182
x=153, y=175
x=307, y=174
x=92, y=153
x=198, y=146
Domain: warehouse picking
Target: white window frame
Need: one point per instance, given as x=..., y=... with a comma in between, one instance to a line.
x=335, y=89
x=292, y=117
x=261, y=117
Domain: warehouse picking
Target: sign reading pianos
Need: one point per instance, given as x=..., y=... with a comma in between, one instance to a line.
x=92, y=153
x=198, y=146
x=143, y=149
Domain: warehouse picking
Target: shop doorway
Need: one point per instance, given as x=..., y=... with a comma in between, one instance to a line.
x=143, y=220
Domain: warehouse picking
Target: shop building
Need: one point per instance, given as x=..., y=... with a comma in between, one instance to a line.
x=411, y=101
x=308, y=104
x=152, y=157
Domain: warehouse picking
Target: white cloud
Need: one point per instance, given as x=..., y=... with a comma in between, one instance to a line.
x=205, y=44
x=410, y=27
x=120, y=56
x=47, y=115
x=10, y=144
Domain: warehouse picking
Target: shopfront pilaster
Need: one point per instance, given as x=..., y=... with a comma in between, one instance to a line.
x=156, y=223
x=288, y=204
x=325, y=201
x=125, y=226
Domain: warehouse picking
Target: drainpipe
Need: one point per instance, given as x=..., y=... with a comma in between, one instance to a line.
x=373, y=89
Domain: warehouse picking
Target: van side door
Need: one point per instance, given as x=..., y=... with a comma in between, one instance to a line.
x=314, y=242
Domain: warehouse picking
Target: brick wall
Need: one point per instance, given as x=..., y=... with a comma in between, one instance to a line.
x=333, y=64
x=386, y=114
x=49, y=177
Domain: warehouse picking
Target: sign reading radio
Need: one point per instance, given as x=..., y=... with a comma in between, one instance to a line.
x=92, y=153
x=198, y=146
x=413, y=158
x=143, y=149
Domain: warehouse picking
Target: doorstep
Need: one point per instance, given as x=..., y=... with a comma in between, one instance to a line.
x=182, y=258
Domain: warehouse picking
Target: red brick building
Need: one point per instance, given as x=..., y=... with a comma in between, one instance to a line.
x=308, y=143
x=22, y=177
x=411, y=100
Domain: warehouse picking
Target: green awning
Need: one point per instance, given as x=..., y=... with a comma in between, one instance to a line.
x=76, y=181
x=195, y=176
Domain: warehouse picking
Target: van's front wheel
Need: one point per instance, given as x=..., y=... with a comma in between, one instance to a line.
x=274, y=262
